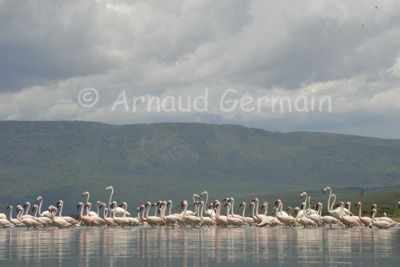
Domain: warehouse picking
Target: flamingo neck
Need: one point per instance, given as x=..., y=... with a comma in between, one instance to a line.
x=143, y=219
x=40, y=206
x=373, y=215
x=170, y=209
x=201, y=211
x=218, y=212
x=109, y=201
x=163, y=212
x=329, y=200
x=256, y=209
x=104, y=213
x=205, y=204
x=28, y=207
x=147, y=212
x=184, y=212
x=81, y=214
x=244, y=208
x=359, y=211
x=233, y=205
x=61, y=209
x=304, y=210
x=333, y=202
x=36, y=211
x=11, y=213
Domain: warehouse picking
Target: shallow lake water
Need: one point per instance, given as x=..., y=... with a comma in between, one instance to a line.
x=200, y=247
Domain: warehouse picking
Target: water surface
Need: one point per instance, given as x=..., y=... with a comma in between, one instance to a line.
x=200, y=247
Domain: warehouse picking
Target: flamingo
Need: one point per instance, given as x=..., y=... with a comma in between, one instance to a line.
x=3, y=216
x=169, y=203
x=108, y=221
x=189, y=212
x=152, y=220
x=248, y=220
x=69, y=219
x=289, y=212
x=119, y=212
x=314, y=216
x=262, y=219
x=302, y=219
x=27, y=205
x=210, y=212
x=86, y=219
x=120, y=221
x=381, y=224
x=88, y=204
x=387, y=219
x=43, y=220
x=189, y=219
x=307, y=201
x=15, y=222
x=96, y=217
x=208, y=221
x=334, y=212
x=220, y=220
x=45, y=213
x=234, y=221
x=28, y=221
x=279, y=205
x=132, y=221
x=5, y=223
x=348, y=206
x=326, y=219
x=232, y=200
x=138, y=215
x=283, y=217
x=347, y=220
x=59, y=221
x=171, y=219
x=273, y=220
x=364, y=220
x=255, y=218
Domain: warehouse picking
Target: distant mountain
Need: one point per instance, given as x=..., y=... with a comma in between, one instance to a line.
x=149, y=162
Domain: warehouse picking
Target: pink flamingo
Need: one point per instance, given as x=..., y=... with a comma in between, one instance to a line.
x=107, y=220
x=88, y=220
x=347, y=220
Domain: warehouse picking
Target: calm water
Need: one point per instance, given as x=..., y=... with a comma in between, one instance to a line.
x=199, y=247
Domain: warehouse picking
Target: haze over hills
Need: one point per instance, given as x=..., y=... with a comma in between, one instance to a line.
x=149, y=162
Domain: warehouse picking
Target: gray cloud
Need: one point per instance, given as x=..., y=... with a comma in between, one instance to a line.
x=49, y=51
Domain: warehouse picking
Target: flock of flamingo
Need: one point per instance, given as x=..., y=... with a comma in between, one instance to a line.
x=203, y=215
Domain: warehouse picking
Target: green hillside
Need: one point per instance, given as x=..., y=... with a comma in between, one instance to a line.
x=149, y=162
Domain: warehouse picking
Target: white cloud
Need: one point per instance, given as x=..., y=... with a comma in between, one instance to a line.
x=347, y=50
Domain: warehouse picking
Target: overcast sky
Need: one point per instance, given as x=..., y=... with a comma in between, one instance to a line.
x=331, y=66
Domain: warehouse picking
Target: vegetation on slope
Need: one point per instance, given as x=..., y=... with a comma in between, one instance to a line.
x=60, y=160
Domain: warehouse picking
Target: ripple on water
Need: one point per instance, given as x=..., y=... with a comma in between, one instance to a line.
x=207, y=246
